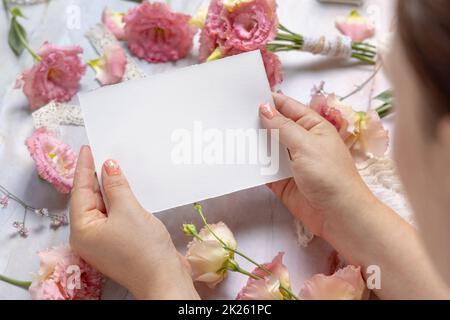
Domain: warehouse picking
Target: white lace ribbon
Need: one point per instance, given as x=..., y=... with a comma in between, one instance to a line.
x=339, y=47
x=100, y=37
x=381, y=177
x=55, y=114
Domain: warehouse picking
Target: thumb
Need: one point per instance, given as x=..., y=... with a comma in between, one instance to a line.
x=116, y=189
x=291, y=134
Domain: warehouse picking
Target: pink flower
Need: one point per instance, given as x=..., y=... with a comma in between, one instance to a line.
x=55, y=77
x=55, y=161
x=156, y=34
x=371, y=140
x=269, y=287
x=4, y=201
x=207, y=257
x=212, y=27
x=340, y=115
x=345, y=284
x=363, y=133
x=110, y=67
x=273, y=68
x=238, y=26
x=355, y=26
x=113, y=21
x=63, y=275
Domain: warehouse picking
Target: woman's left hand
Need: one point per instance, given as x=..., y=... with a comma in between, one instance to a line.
x=121, y=239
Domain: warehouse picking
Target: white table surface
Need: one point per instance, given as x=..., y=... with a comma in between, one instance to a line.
x=262, y=226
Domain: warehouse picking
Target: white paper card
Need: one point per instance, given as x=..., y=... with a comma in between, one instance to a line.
x=187, y=135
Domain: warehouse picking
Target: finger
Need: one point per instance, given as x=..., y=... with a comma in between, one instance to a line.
x=289, y=107
x=117, y=191
x=85, y=194
x=296, y=111
x=290, y=134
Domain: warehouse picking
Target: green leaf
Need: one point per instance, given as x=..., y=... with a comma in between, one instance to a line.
x=14, y=37
x=16, y=12
x=386, y=97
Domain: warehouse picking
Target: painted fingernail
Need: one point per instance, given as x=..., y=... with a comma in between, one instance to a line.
x=267, y=111
x=112, y=168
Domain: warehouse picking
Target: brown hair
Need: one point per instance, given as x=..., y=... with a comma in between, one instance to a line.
x=424, y=29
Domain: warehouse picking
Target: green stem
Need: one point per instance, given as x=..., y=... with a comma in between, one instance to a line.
x=198, y=207
x=363, y=58
x=17, y=283
x=289, y=292
x=385, y=110
x=25, y=43
x=237, y=268
x=246, y=273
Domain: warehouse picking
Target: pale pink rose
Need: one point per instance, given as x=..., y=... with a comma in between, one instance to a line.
x=110, y=67
x=363, y=133
x=269, y=287
x=345, y=284
x=55, y=77
x=157, y=34
x=63, y=275
x=355, y=26
x=113, y=21
x=55, y=161
x=340, y=115
x=273, y=68
x=372, y=139
x=207, y=257
x=238, y=26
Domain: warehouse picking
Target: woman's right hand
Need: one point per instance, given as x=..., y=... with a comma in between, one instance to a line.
x=326, y=188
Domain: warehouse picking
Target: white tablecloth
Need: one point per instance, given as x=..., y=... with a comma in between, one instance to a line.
x=262, y=225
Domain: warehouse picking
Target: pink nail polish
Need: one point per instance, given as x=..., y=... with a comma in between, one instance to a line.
x=267, y=111
x=112, y=167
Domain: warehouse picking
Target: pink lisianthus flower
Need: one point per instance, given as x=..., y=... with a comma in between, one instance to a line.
x=63, y=275
x=345, y=284
x=363, y=133
x=207, y=257
x=157, y=34
x=56, y=76
x=238, y=26
x=55, y=161
x=340, y=115
x=113, y=21
x=371, y=140
x=269, y=287
x=110, y=67
x=355, y=26
x=273, y=68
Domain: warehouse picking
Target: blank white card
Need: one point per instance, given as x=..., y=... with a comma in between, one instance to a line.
x=187, y=135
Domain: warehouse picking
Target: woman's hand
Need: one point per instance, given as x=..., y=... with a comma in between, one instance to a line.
x=326, y=182
x=328, y=195
x=119, y=238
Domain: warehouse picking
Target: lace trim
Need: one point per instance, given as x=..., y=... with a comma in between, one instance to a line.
x=55, y=114
x=100, y=37
x=381, y=177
